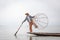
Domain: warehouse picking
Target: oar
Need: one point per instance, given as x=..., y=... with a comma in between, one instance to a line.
x=17, y=30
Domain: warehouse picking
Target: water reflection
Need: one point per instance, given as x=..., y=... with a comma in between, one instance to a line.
x=25, y=37
x=30, y=38
x=15, y=36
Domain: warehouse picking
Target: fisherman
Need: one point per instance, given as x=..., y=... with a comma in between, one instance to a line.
x=30, y=21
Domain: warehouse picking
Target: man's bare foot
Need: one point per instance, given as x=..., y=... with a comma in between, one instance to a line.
x=36, y=26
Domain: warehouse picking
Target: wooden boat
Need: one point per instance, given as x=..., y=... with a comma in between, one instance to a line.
x=44, y=34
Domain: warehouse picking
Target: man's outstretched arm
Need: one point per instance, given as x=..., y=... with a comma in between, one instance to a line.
x=24, y=20
x=32, y=16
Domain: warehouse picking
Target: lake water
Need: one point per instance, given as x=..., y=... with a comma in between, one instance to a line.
x=27, y=37
x=7, y=33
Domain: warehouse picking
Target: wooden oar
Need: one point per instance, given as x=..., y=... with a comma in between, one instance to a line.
x=17, y=30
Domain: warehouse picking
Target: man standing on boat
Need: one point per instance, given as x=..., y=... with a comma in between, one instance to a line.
x=30, y=21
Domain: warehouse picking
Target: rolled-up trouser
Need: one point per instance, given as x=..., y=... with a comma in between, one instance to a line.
x=30, y=24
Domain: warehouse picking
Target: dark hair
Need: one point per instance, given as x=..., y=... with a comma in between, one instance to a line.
x=26, y=13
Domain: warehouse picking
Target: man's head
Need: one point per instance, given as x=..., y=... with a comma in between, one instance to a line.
x=27, y=14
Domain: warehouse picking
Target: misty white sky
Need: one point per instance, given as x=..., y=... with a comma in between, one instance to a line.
x=12, y=11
